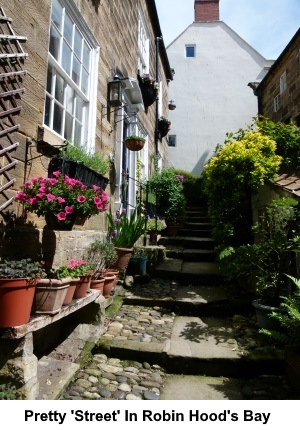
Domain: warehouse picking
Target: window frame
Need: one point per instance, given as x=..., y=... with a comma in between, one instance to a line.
x=86, y=115
x=283, y=82
x=277, y=102
x=170, y=138
x=194, y=50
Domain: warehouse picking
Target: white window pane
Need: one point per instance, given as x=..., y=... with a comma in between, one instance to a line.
x=84, y=82
x=68, y=30
x=77, y=43
x=57, y=118
x=77, y=132
x=56, y=14
x=66, y=58
x=54, y=43
x=79, y=108
x=68, y=126
x=59, y=89
x=76, y=71
x=86, y=57
x=70, y=99
x=47, y=111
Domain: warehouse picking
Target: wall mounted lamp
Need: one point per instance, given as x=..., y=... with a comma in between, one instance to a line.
x=171, y=105
x=115, y=92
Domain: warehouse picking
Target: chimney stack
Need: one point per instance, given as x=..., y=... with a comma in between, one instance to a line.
x=207, y=10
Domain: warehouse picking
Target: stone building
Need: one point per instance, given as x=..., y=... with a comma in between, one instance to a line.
x=66, y=54
x=279, y=92
x=213, y=67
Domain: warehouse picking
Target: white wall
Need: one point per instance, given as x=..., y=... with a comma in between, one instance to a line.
x=210, y=91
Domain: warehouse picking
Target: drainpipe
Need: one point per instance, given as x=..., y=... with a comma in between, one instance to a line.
x=156, y=133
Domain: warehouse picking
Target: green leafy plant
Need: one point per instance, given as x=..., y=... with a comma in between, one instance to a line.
x=94, y=161
x=192, y=187
x=134, y=136
x=168, y=190
x=156, y=223
x=124, y=231
x=289, y=320
x=8, y=392
x=75, y=269
x=24, y=268
x=240, y=167
x=101, y=255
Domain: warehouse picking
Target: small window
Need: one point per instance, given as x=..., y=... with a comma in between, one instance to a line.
x=283, y=84
x=172, y=140
x=276, y=103
x=190, y=51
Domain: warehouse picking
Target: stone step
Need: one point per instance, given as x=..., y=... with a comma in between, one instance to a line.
x=198, y=225
x=192, y=232
x=190, y=254
x=197, y=218
x=196, y=346
x=188, y=242
x=186, y=272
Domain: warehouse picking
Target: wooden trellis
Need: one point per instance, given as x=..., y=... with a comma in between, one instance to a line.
x=11, y=71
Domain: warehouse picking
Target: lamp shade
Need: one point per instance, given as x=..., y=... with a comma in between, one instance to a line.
x=115, y=93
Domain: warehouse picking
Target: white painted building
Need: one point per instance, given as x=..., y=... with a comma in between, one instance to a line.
x=213, y=67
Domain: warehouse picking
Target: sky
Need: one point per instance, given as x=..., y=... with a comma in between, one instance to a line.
x=267, y=25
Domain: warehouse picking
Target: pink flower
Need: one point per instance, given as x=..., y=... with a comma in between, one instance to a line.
x=81, y=199
x=69, y=209
x=40, y=195
x=53, y=181
x=56, y=174
x=60, y=200
x=50, y=197
x=20, y=195
x=100, y=207
x=97, y=200
x=43, y=189
x=33, y=201
x=96, y=188
x=61, y=216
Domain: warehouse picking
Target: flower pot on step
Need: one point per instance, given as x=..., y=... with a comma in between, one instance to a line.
x=124, y=256
x=82, y=287
x=49, y=295
x=98, y=284
x=109, y=284
x=70, y=291
x=16, y=298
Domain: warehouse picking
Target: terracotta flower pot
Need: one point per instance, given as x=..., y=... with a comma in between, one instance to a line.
x=109, y=284
x=16, y=298
x=124, y=255
x=98, y=284
x=71, y=291
x=49, y=295
x=113, y=272
x=82, y=287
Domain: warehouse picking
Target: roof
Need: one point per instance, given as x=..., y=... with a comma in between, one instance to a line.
x=158, y=33
x=289, y=183
x=279, y=59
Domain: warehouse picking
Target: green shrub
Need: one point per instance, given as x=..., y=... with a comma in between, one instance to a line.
x=192, y=188
x=230, y=177
x=94, y=161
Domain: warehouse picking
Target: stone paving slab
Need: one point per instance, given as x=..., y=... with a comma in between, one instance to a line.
x=183, y=387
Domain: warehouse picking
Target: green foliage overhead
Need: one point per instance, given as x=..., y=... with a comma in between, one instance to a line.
x=230, y=177
x=192, y=187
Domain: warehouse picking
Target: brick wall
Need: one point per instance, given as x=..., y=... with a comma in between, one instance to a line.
x=207, y=10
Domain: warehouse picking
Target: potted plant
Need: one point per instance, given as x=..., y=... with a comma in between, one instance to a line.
x=134, y=142
x=155, y=225
x=149, y=88
x=163, y=126
x=78, y=269
x=124, y=231
x=61, y=200
x=102, y=256
x=75, y=162
x=170, y=199
x=138, y=262
x=18, y=280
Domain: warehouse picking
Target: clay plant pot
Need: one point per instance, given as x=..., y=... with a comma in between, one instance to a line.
x=98, y=284
x=71, y=291
x=124, y=256
x=109, y=284
x=113, y=272
x=82, y=287
x=16, y=298
x=49, y=295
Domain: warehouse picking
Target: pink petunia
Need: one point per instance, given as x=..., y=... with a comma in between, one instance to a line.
x=43, y=189
x=33, y=201
x=96, y=188
x=56, y=174
x=69, y=209
x=60, y=200
x=100, y=207
x=53, y=181
x=81, y=199
x=50, y=197
x=97, y=200
x=20, y=195
x=61, y=216
x=40, y=195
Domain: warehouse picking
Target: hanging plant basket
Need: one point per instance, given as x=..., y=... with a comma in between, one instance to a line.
x=163, y=127
x=149, y=89
x=134, y=143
